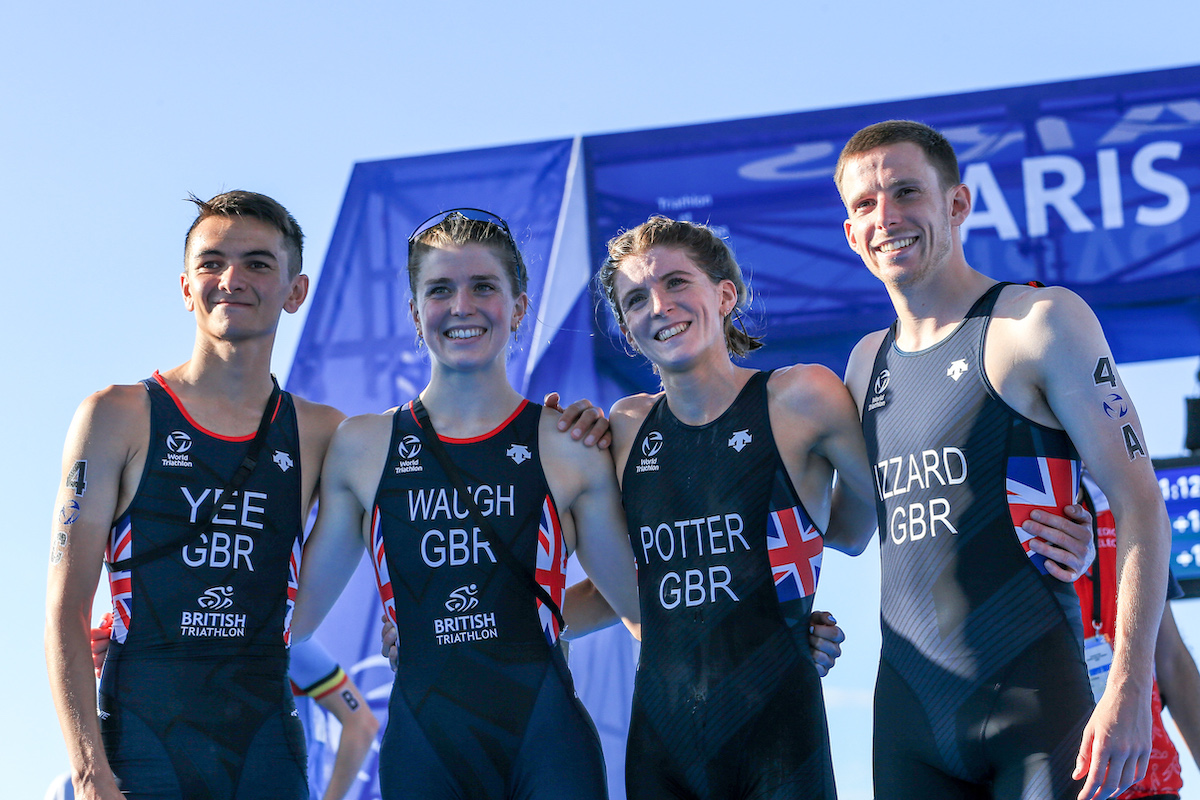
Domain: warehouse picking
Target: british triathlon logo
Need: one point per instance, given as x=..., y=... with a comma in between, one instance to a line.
x=740, y=439
x=519, y=453
x=463, y=627
x=283, y=460
x=651, y=444
x=957, y=369
x=881, y=384
x=463, y=599
x=178, y=445
x=408, y=450
x=216, y=598
x=212, y=622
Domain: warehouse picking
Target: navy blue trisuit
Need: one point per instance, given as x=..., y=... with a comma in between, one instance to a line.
x=194, y=698
x=483, y=706
x=982, y=690
x=727, y=701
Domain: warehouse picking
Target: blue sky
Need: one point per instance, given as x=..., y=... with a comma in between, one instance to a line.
x=111, y=114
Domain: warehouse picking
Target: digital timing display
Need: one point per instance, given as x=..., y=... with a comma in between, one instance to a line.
x=1179, y=480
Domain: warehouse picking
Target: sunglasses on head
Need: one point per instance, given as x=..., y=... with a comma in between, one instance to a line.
x=475, y=214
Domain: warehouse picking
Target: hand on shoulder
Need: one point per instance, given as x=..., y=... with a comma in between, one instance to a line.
x=560, y=448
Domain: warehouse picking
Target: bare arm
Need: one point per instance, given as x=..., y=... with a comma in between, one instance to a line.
x=335, y=546
x=853, y=520
x=359, y=727
x=582, y=479
x=586, y=611
x=817, y=430
x=99, y=447
x=1058, y=370
x=1179, y=682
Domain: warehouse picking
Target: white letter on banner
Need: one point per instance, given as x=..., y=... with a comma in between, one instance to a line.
x=985, y=191
x=1141, y=120
x=1038, y=198
x=1111, y=211
x=972, y=144
x=1171, y=187
x=1054, y=133
x=782, y=168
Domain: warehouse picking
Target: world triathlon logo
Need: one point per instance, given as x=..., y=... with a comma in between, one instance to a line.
x=879, y=400
x=1115, y=406
x=179, y=442
x=650, y=447
x=409, y=447
x=178, y=445
x=216, y=598
x=463, y=598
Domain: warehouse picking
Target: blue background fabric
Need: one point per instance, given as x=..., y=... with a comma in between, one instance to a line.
x=1086, y=184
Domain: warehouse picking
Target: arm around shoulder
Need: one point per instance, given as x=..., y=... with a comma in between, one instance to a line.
x=334, y=549
x=812, y=408
x=584, y=479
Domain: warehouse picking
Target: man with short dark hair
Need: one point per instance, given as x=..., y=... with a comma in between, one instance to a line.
x=978, y=405
x=193, y=486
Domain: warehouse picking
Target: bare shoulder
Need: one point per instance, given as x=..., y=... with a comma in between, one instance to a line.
x=626, y=417
x=559, y=449
x=802, y=388
x=364, y=430
x=862, y=360
x=118, y=410
x=317, y=423
x=108, y=439
x=358, y=453
x=1041, y=305
x=1034, y=330
x=808, y=404
x=632, y=410
x=318, y=416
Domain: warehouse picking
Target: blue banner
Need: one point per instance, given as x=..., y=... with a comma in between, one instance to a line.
x=1087, y=184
